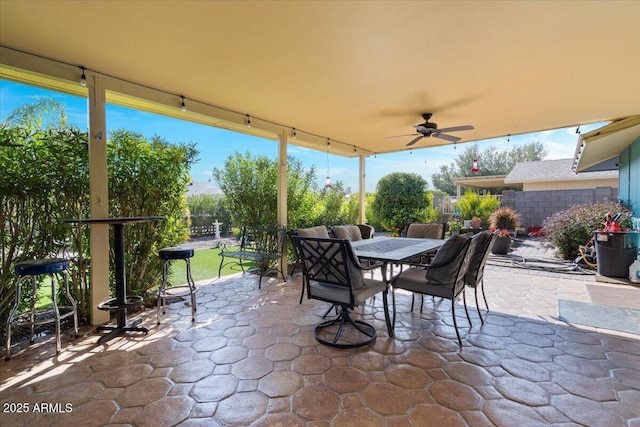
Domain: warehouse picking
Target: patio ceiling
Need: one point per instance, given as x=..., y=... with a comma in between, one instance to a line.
x=355, y=72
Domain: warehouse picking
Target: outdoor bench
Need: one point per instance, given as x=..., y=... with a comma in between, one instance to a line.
x=260, y=251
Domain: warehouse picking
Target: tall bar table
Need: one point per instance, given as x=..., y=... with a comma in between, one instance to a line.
x=120, y=303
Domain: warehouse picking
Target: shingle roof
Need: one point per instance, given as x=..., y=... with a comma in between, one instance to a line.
x=552, y=170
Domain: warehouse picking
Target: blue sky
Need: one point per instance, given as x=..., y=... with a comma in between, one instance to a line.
x=216, y=145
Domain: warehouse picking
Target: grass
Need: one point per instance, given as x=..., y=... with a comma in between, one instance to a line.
x=204, y=265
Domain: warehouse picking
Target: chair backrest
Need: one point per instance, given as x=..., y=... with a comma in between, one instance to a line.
x=328, y=262
x=479, y=256
x=451, y=262
x=426, y=231
x=317, y=231
x=367, y=231
x=350, y=232
x=265, y=240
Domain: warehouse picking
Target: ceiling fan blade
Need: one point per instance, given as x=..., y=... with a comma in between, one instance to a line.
x=413, y=141
x=398, y=136
x=447, y=137
x=456, y=128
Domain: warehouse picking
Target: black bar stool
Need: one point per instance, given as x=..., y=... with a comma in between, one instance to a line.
x=31, y=269
x=168, y=255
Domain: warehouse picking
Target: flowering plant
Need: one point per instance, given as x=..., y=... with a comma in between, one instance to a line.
x=503, y=232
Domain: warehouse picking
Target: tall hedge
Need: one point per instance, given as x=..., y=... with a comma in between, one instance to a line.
x=44, y=180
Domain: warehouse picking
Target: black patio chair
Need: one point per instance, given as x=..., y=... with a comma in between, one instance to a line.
x=443, y=278
x=333, y=274
x=475, y=273
x=317, y=231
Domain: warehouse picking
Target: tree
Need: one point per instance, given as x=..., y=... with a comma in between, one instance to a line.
x=148, y=177
x=44, y=179
x=331, y=205
x=400, y=200
x=250, y=187
x=490, y=160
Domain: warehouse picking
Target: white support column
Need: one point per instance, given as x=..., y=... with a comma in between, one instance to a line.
x=282, y=191
x=99, y=199
x=458, y=190
x=362, y=191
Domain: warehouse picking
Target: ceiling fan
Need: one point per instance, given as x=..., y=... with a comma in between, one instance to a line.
x=428, y=129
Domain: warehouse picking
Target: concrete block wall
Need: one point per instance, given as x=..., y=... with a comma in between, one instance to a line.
x=535, y=206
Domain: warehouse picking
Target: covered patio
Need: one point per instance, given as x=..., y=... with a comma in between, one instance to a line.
x=337, y=77
x=250, y=358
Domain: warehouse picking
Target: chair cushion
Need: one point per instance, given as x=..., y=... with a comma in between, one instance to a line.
x=317, y=231
x=426, y=231
x=478, y=258
x=451, y=248
x=414, y=280
x=340, y=294
x=34, y=267
x=349, y=232
x=177, y=252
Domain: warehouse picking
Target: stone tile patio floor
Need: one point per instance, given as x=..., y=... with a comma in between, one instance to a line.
x=251, y=359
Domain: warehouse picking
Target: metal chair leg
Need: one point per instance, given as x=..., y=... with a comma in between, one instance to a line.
x=455, y=324
x=478, y=305
x=464, y=300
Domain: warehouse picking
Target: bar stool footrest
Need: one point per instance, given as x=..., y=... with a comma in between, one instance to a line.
x=112, y=304
x=42, y=316
x=176, y=292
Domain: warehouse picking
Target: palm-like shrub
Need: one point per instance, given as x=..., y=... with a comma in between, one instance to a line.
x=504, y=219
x=569, y=229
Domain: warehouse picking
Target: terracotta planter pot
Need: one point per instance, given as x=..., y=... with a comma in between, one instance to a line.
x=475, y=223
x=501, y=246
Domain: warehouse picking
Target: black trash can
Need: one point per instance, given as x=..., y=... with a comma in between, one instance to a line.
x=616, y=251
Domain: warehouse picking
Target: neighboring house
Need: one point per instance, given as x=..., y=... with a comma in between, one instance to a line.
x=202, y=189
x=549, y=186
x=615, y=145
x=557, y=175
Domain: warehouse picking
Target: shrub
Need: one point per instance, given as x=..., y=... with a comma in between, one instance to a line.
x=400, y=200
x=504, y=218
x=569, y=229
x=472, y=205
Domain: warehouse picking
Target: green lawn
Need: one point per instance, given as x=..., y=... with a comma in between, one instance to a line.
x=204, y=265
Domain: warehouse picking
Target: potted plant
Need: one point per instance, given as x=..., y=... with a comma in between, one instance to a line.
x=504, y=221
x=454, y=227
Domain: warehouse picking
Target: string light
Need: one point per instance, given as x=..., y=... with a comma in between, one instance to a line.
x=83, y=78
x=183, y=107
x=295, y=134
x=578, y=130
x=248, y=121
x=328, y=181
x=355, y=150
x=508, y=138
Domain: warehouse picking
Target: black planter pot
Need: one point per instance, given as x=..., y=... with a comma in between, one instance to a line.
x=501, y=246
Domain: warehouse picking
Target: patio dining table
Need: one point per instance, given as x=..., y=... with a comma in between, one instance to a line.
x=393, y=250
